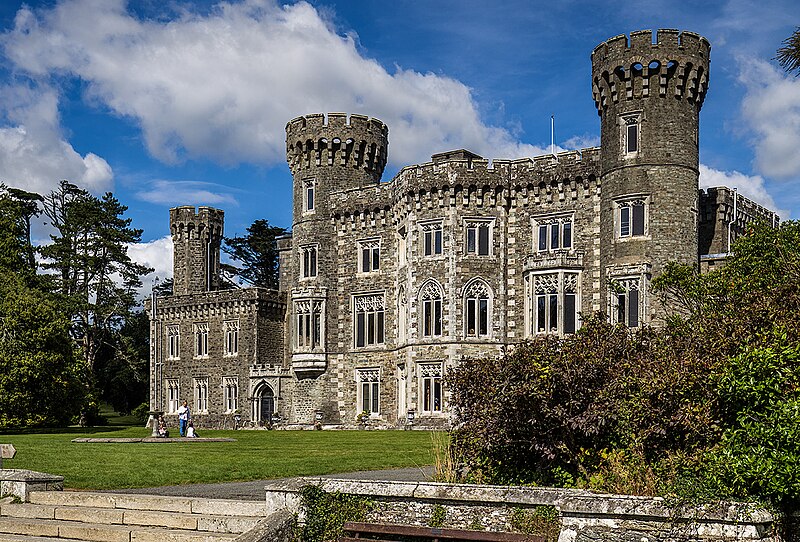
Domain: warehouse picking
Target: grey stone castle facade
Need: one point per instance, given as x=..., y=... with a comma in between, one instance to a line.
x=385, y=286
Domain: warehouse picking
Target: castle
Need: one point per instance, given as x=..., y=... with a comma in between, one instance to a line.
x=385, y=286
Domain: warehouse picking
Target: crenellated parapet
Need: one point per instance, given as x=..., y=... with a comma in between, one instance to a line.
x=196, y=239
x=356, y=143
x=664, y=64
x=206, y=223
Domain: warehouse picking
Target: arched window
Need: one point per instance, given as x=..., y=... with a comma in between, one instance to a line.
x=476, y=309
x=431, y=296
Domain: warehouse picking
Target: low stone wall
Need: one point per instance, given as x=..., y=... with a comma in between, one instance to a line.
x=584, y=516
x=19, y=483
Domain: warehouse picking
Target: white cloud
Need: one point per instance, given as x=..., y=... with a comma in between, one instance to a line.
x=750, y=186
x=771, y=107
x=156, y=254
x=223, y=85
x=185, y=193
x=582, y=142
x=33, y=153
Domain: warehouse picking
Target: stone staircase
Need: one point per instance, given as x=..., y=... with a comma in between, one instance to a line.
x=55, y=516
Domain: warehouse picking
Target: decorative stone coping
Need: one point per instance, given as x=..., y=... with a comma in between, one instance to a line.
x=584, y=515
x=19, y=483
x=152, y=440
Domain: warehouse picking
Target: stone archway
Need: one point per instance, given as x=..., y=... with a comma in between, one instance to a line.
x=264, y=404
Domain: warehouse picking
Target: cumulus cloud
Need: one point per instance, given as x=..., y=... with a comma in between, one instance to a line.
x=185, y=193
x=750, y=186
x=582, y=142
x=156, y=254
x=223, y=84
x=771, y=107
x=34, y=154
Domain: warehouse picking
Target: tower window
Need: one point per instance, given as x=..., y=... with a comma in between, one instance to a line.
x=201, y=340
x=632, y=218
x=309, y=253
x=308, y=322
x=476, y=302
x=479, y=234
x=369, y=319
x=553, y=233
x=309, y=196
x=432, y=238
x=369, y=255
x=553, y=302
x=627, y=301
x=631, y=134
x=431, y=296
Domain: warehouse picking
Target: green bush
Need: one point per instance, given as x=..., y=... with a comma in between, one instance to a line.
x=326, y=513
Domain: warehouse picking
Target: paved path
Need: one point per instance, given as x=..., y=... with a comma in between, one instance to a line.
x=254, y=491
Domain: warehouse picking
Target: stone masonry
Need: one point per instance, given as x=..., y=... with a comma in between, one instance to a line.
x=385, y=286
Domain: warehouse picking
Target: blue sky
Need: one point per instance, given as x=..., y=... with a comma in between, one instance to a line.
x=177, y=103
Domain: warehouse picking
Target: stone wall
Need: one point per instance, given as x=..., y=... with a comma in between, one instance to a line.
x=584, y=516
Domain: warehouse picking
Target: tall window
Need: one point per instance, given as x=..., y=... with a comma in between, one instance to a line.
x=231, y=387
x=309, y=196
x=308, y=314
x=432, y=238
x=631, y=134
x=402, y=246
x=173, y=395
x=431, y=296
x=479, y=236
x=369, y=390
x=173, y=342
x=369, y=255
x=553, y=233
x=476, y=305
x=402, y=315
x=201, y=395
x=369, y=320
x=309, y=253
x=632, y=218
x=201, y=340
x=231, y=337
x=430, y=376
x=553, y=302
x=626, y=301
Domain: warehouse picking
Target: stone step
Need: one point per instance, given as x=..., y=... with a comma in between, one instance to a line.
x=119, y=516
x=95, y=532
x=155, y=503
x=25, y=538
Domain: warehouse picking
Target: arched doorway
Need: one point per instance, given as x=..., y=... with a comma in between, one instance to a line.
x=264, y=404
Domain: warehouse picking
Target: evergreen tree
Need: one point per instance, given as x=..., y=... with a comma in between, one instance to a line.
x=258, y=253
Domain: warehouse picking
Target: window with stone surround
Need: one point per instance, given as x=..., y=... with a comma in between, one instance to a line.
x=430, y=296
x=369, y=251
x=430, y=387
x=402, y=315
x=173, y=395
x=309, y=260
x=553, y=232
x=369, y=319
x=631, y=136
x=309, y=195
x=230, y=386
x=431, y=238
x=201, y=340
x=631, y=217
x=231, y=328
x=369, y=389
x=626, y=301
x=308, y=324
x=201, y=395
x=477, y=309
x=173, y=341
x=479, y=236
x=402, y=247
x=552, y=302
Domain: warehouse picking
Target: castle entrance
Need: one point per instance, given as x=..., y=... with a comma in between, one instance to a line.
x=266, y=405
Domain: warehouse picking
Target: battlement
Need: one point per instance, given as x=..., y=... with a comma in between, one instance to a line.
x=205, y=222
x=337, y=140
x=659, y=64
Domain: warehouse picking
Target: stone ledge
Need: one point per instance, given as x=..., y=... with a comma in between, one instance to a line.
x=150, y=440
x=20, y=482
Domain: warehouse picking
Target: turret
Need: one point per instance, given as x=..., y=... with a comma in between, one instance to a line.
x=196, y=238
x=648, y=90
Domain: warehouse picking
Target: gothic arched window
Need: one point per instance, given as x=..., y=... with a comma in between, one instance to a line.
x=477, y=296
x=431, y=296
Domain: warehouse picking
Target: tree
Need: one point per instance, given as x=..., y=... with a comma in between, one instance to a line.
x=95, y=277
x=21, y=207
x=257, y=252
x=789, y=55
x=123, y=365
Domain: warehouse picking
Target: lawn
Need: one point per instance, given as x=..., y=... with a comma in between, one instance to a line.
x=255, y=455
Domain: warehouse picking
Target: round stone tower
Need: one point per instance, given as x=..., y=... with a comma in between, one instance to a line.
x=648, y=91
x=196, y=238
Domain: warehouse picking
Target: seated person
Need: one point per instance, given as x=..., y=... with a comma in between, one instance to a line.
x=162, y=428
x=190, y=432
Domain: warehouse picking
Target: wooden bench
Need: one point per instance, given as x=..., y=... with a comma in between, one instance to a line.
x=376, y=532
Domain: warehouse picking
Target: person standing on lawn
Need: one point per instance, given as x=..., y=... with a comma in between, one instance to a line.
x=183, y=417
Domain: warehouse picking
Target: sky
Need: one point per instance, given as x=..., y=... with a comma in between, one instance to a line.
x=172, y=102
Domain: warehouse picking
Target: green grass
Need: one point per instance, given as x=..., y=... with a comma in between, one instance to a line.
x=256, y=455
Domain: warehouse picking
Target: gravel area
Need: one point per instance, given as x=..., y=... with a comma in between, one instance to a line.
x=254, y=491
